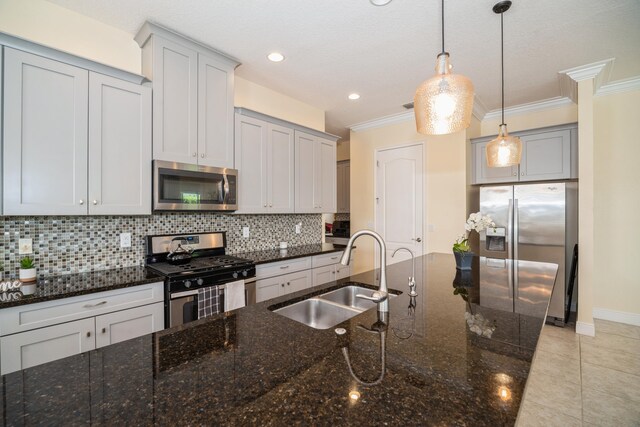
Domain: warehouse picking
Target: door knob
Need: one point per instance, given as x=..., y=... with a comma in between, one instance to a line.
x=417, y=239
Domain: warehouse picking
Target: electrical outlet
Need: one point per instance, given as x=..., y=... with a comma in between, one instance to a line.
x=25, y=246
x=245, y=232
x=125, y=240
x=298, y=228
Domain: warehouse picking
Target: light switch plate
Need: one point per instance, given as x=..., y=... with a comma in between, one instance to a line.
x=298, y=228
x=25, y=246
x=245, y=232
x=125, y=240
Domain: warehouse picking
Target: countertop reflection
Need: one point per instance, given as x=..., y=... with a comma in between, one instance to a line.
x=457, y=354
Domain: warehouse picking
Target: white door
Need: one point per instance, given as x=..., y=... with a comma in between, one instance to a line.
x=215, y=113
x=45, y=136
x=399, y=200
x=124, y=325
x=250, y=160
x=119, y=147
x=281, y=169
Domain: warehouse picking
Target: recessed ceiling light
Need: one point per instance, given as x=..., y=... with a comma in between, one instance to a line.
x=354, y=96
x=380, y=2
x=275, y=57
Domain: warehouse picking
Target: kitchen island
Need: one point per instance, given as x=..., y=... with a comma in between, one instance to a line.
x=458, y=354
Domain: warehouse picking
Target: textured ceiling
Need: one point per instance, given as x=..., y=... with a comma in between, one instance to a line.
x=335, y=47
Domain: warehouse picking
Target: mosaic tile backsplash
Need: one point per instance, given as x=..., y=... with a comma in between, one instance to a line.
x=76, y=244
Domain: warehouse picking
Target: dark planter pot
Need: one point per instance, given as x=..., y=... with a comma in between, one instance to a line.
x=463, y=260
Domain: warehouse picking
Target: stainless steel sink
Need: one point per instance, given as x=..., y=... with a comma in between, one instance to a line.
x=347, y=296
x=318, y=313
x=331, y=308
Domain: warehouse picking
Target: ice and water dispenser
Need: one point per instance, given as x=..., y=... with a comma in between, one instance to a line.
x=496, y=239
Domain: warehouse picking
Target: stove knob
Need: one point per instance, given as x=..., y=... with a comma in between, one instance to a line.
x=244, y=273
x=235, y=275
x=187, y=283
x=200, y=282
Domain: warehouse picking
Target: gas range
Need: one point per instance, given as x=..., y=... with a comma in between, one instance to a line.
x=208, y=266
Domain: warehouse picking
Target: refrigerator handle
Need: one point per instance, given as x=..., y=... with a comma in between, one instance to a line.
x=516, y=237
x=509, y=237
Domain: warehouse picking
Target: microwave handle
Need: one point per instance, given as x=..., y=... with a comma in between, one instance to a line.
x=225, y=188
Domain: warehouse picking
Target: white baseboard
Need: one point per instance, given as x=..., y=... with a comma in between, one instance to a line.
x=584, y=328
x=617, y=316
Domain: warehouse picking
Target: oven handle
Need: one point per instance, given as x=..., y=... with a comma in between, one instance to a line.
x=184, y=294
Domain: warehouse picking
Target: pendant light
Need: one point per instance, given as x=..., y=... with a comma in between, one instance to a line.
x=505, y=150
x=443, y=104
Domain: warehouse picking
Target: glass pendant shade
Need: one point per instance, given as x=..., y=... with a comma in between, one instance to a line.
x=444, y=103
x=505, y=150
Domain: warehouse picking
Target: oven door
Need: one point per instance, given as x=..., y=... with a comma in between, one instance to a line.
x=185, y=187
x=183, y=308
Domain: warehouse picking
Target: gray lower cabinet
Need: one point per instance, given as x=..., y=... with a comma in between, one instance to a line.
x=75, y=142
x=265, y=163
x=192, y=98
x=547, y=154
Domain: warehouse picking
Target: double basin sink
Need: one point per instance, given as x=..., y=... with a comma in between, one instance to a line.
x=331, y=308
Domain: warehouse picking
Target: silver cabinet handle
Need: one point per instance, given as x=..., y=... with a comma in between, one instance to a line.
x=81, y=202
x=270, y=205
x=288, y=283
x=88, y=334
x=282, y=284
x=95, y=202
x=104, y=330
x=522, y=174
x=194, y=154
x=202, y=155
x=515, y=174
x=265, y=205
x=334, y=257
x=283, y=267
x=417, y=239
x=95, y=305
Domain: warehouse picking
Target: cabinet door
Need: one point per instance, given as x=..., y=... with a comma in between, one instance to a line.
x=175, y=102
x=250, y=160
x=342, y=271
x=322, y=275
x=126, y=324
x=328, y=175
x=215, y=113
x=298, y=281
x=483, y=174
x=45, y=136
x=281, y=169
x=269, y=288
x=119, y=147
x=307, y=164
x=546, y=156
x=343, y=182
x=31, y=348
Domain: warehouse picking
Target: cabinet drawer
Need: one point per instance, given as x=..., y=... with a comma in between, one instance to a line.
x=326, y=259
x=127, y=324
x=27, y=349
x=282, y=267
x=32, y=316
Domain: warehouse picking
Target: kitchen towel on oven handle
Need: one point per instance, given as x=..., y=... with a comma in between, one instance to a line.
x=209, y=301
x=234, y=295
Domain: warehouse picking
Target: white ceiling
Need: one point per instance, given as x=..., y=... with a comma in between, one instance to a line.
x=336, y=47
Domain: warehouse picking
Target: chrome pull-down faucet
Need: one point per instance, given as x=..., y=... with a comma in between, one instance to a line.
x=412, y=278
x=382, y=294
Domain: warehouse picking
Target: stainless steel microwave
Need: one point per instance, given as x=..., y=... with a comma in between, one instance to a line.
x=186, y=187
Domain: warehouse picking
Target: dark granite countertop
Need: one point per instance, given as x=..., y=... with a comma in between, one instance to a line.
x=70, y=285
x=272, y=255
x=455, y=355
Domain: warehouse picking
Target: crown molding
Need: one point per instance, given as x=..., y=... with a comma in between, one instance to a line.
x=619, y=86
x=479, y=109
x=391, y=119
x=599, y=71
x=530, y=107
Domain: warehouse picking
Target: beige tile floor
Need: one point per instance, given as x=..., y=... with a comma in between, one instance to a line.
x=584, y=381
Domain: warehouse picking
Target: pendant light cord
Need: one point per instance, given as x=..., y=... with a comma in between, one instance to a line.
x=502, y=58
x=442, y=26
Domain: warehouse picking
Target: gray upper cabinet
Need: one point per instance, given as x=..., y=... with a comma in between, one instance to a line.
x=343, y=183
x=265, y=163
x=76, y=142
x=547, y=154
x=193, y=116
x=315, y=174
x=119, y=147
x=45, y=136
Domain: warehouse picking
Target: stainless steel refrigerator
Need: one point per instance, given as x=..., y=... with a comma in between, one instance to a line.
x=534, y=222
